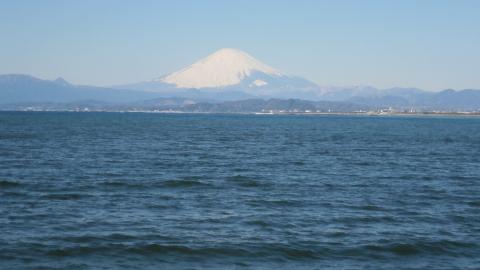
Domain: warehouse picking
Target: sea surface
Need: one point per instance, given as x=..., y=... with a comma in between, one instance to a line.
x=219, y=191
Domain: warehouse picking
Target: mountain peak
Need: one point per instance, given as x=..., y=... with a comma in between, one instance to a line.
x=61, y=81
x=223, y=68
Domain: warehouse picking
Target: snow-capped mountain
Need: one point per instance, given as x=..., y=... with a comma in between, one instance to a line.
x=229, y=71
x=225, y=67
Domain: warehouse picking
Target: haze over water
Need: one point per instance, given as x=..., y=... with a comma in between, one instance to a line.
x=213, y=191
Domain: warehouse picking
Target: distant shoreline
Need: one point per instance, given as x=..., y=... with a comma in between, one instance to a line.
x=433, y=114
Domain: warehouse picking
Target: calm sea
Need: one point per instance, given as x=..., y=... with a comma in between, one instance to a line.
x=213, y=191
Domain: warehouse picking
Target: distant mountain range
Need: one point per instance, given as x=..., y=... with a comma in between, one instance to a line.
x=19, y=88
x=228, y=80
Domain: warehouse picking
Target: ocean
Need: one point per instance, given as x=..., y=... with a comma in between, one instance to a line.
x=231, y=191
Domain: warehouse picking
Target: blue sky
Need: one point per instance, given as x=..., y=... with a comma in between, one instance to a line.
x=427, y=44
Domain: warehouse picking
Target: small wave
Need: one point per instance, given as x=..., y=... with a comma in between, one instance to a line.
x=239, y=251
x=175, y=183
x=13, y=194
x=448, y=140
x=336, y=234
x=229, y=251
x=65, y=196
x=9, y=184
x=363, y=163
x=365, y=219
x=442, y=247
x=147, y=249
x=181, y=183
x=275, y=203
x=259, y=223
x=18, y=136
x=474, y=203
x=244, y=181
x=371, y=208
x=399, y=249
x=89, y=238
x=82, y=250
x=122, y=184
x=157, y=248
x=282, y=251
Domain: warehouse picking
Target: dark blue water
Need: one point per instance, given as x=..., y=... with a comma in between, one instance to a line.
x=159, y=191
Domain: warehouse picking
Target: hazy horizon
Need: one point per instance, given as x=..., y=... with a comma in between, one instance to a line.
x=430, y=45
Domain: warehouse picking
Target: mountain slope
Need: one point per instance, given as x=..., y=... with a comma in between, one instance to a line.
x=18, y=88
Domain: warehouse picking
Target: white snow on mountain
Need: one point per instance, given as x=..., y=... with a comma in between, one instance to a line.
x=223, y=68
x=259, y=83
